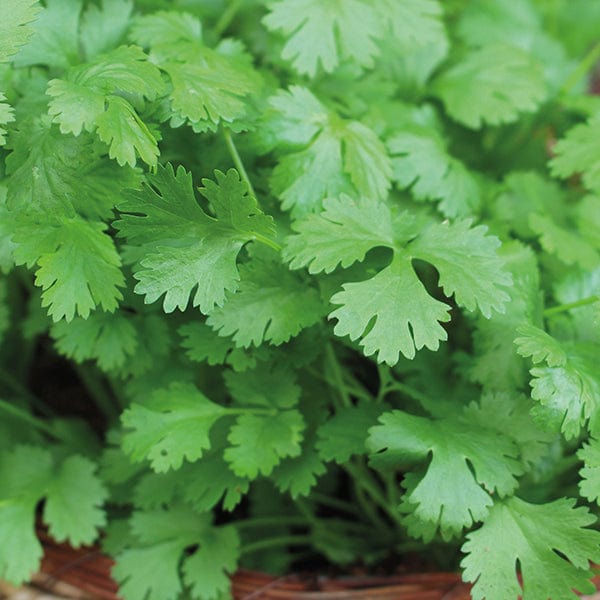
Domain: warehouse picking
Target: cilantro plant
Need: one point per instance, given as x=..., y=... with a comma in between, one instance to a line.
x=298, y=282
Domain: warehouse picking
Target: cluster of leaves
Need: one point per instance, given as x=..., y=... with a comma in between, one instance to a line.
x=327, y=277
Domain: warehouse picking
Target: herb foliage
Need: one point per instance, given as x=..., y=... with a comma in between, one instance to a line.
x=328, y=275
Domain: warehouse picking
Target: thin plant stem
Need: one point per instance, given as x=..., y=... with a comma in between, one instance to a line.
x=275, y=542
x=283, y=520
x=20, y=390
x=586, y=63
x=227, y=17
x=237, y=160
x=24, y=416
x=336, y=503
x=96, y=389
x=334, y=366
x=554, y=310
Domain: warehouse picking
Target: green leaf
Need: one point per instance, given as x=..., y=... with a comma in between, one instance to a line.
x=312, y=27
x=579, y=152
x=16, y=17
x=103, y=27
x=259, y=443
x=340, y=235
x=55, y=41
x=540, y=346
x=154, y=567
x=271, y=305
x=468, y=264
x=73, y=494
x=73, y=503
x=549, y=542
x=345, y=433
x=298, y=475
x=6, y=116
x=569, y=395
x=79, y=268
x=421, y=162
x=331, y=156
x=406, y=318
x=589, y=486
x=125, y=133
x=171, y=426
x=324, y=35
x=467, y=464
x=183, y=247
x=107, y=338
x=204, y=344
x=492, y=85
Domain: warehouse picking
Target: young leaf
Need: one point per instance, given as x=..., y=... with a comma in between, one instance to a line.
x=406, y=317
x=15, y=25
x=6, y=116
x=468, y=463
x=540, y=346
x=271, y=305
x=298, y=475
x=185, y=248
x=475, y=90
x=589, y=486
x=549, y=542
x=173, y=425
x=259, y=443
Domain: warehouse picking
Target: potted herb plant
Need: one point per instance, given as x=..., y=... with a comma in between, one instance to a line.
x=301, y=285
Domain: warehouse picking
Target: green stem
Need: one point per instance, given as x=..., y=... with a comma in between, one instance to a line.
x=284, y=540
x=569, y=306
x=227, y=17
x=237, y=160
x=362, y=476
x=272, y=521
x=586, y=63
x=20, y=390
x=19, y=413
x=409, y=391
x=331, y=502
x=95, y=387
x=239, y=165
x=368, y=508
x=334, y=367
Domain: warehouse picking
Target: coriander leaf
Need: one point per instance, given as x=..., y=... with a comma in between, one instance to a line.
x=476, y=91
x=467, y=464
x=578, y=152
x=79, y=268
x=345, y=433
x=271, y=386
x=548, y=541
x=259, y=443
x=271, y=305
x=330, y=155
x=7, y=115
x=204, y=344
x=207, y=571
x=322, y=34
x=406, y=317
x=16, y=17
x=420, y=161
x=29, y=474
x=589, y=486
x=569, y=395
x=103, y=27
x=207, y=87
x=73, y=503
x=108, y=338
x=468, y=264
x=566, y=243
x=171, y=426
x=540, y=346
x=61, y=175
x=340, y=235
x=152, y=568
x=183, y=247
x=298, y=475
x=55, y=41
x=125, y=133
x=210, y=481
